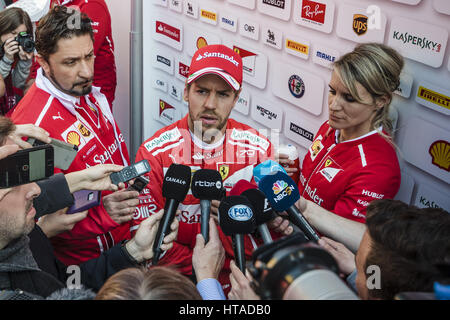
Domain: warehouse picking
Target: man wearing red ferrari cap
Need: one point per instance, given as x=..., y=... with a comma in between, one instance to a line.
x=206, y=138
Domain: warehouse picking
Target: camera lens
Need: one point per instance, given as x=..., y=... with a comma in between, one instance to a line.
x=303, y=272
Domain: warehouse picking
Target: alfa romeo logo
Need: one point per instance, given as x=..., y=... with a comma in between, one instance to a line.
x=296, y=86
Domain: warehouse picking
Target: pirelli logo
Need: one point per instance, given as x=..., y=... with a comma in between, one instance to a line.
x=208, y=15
x=434, y=97
x=296, y=46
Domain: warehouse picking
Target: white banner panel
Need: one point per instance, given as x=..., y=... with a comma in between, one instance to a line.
x=427, y=146
x=353, y=24
x=169, y=32
x=196, y=38
x=254, y=64
x=299, y=87
x=419, y=41
x=430, y=197
x=317, y=15
x=433, y=97
x=280, y=9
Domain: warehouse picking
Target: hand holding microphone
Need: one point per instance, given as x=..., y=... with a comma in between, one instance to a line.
x=175, y=188
x=236, y=218
x=206, y=185
x=282, y=193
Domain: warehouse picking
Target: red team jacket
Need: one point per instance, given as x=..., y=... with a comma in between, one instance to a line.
x=345, y=177
x=99, y=141
x=241, y=150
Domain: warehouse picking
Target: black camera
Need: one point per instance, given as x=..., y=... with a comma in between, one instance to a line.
x=293, y=268
x=25, y=40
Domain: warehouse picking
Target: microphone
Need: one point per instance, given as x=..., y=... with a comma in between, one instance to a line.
x=175, y=188
x=265, y=168
x=282, y=193
x=236, y=219
x=241, y=186
x=262, y=210
x=206, y=185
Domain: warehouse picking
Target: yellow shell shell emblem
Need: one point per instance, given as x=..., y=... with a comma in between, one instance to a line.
x=440, y=154
x=73, y=138
x=201, y=42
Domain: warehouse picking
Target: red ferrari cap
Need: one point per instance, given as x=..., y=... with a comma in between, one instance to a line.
x=220, y=60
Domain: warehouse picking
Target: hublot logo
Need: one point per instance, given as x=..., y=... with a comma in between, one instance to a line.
x=275, y=3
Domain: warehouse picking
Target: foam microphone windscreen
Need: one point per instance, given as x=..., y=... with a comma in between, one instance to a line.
x=207, y=184
x=176, y=182
x=262, y=209
x=236, y=216
x=265, y=168
x=280, y=190
x=241, y=186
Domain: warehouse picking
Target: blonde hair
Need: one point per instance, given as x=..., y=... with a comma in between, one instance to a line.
x=157, y=283
x=377, y=68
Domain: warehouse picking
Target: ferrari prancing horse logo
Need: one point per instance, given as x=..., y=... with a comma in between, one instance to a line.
x=224, y=170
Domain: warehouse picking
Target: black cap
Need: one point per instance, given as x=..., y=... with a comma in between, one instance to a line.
x=263, y=211
x=236, y=215
x=207, y=184
x=176, y=182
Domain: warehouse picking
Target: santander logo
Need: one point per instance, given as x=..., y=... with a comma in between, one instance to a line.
x=168, y=31
x=217, y=55
x=314, y=11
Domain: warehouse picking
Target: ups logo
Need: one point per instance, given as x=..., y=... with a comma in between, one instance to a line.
x=83, y=130
x=360, y=24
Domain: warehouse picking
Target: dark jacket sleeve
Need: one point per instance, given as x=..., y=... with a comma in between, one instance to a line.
x=96, y=271
x=55, y=195
x=93, y=272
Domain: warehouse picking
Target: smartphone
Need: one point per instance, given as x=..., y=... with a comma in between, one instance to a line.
x=83, y=200
x=130, y=172
x=65, y=152
x=139, y=184
x=25, y=166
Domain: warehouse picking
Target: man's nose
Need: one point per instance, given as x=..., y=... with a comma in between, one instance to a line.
x=86, y=70
x=211, y=101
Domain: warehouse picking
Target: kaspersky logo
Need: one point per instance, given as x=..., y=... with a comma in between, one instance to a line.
x=217, y=55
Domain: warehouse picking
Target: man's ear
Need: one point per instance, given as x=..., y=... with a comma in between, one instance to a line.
x=236, y=95
x=186, y=92
x=43, y=63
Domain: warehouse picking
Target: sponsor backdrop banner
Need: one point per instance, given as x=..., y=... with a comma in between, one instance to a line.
x=288, y=48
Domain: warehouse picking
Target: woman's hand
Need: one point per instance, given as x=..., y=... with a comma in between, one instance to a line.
x=11, y=47
x=283, y=160
x=58, y=222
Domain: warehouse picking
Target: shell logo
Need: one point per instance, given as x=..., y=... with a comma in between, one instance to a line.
x=201, y=42
x=440, y=154
x=73, y=138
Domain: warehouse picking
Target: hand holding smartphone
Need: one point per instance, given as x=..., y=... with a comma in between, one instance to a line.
x=25, y=166
x=84, y=200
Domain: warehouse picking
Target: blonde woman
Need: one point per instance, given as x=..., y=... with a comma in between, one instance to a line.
x=352, y=159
